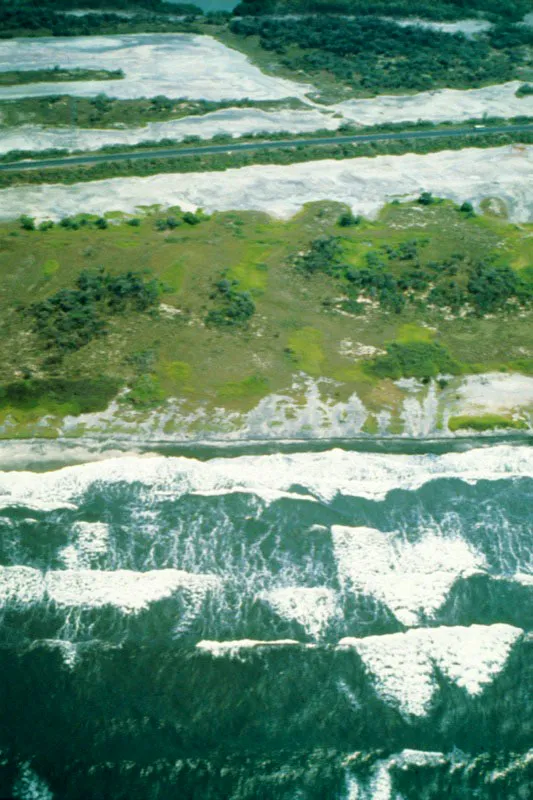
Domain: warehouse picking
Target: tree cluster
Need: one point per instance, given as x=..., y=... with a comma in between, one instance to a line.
x=71, y=318
x=439, y=9
x=373, y=54
x=421, y=360
x=32, y=19
x=233, y=308
x=395, y=276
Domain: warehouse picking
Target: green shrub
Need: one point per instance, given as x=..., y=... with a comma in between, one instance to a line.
x=191, y=219
x=83, y=395
x=347, y=219
x=27, y=223
x=71, y=318
x=426, y=199
x=323, y=256
x=414, y=360
x=234, y=308
x=524, y=90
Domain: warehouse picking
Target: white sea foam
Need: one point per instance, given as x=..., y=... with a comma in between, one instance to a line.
x=266, y=494
x=127, y=590
x=173, y=64
x=438, y=105
x=235, y=649
x=89, y=541
x=380, y=786
x=364, y=184
x=20, y=585
x=312, y=607
x=403, y=664
x=412, y=579
x=29, y=786
x=320, y=475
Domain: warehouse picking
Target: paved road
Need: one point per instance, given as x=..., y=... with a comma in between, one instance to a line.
x=71, y=161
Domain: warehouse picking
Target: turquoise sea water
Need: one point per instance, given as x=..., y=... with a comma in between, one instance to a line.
x=288, y=624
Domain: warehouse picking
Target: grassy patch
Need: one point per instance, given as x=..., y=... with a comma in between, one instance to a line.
x=50, y=267
x=254, y=387
x=305, y=349
x=486, y=422
x=411, y=332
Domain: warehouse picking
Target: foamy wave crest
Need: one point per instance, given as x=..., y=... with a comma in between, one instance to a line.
x=236, y=649
x=89, y=541
x=320, y=475
x=380, y=785
x=29, y=786
x=403, y=664
x=313, y=608
x=413, y=580
x=129, y=591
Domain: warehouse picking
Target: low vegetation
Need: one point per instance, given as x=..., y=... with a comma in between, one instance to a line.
x=231, y=307
x=70, y=318
x=56, y=75
x=440, y=10
x=395, y=277
x=485, y=422
x=370, y=55
x=525, y=90
x=111, y=112
x=26, y=18
x=226, y=311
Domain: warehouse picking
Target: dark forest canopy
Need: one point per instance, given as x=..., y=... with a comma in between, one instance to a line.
x=107, y=5
x=30, y=18
x=430, y=9
x=372, y=54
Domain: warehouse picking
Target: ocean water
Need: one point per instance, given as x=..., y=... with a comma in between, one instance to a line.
x=293, y=624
